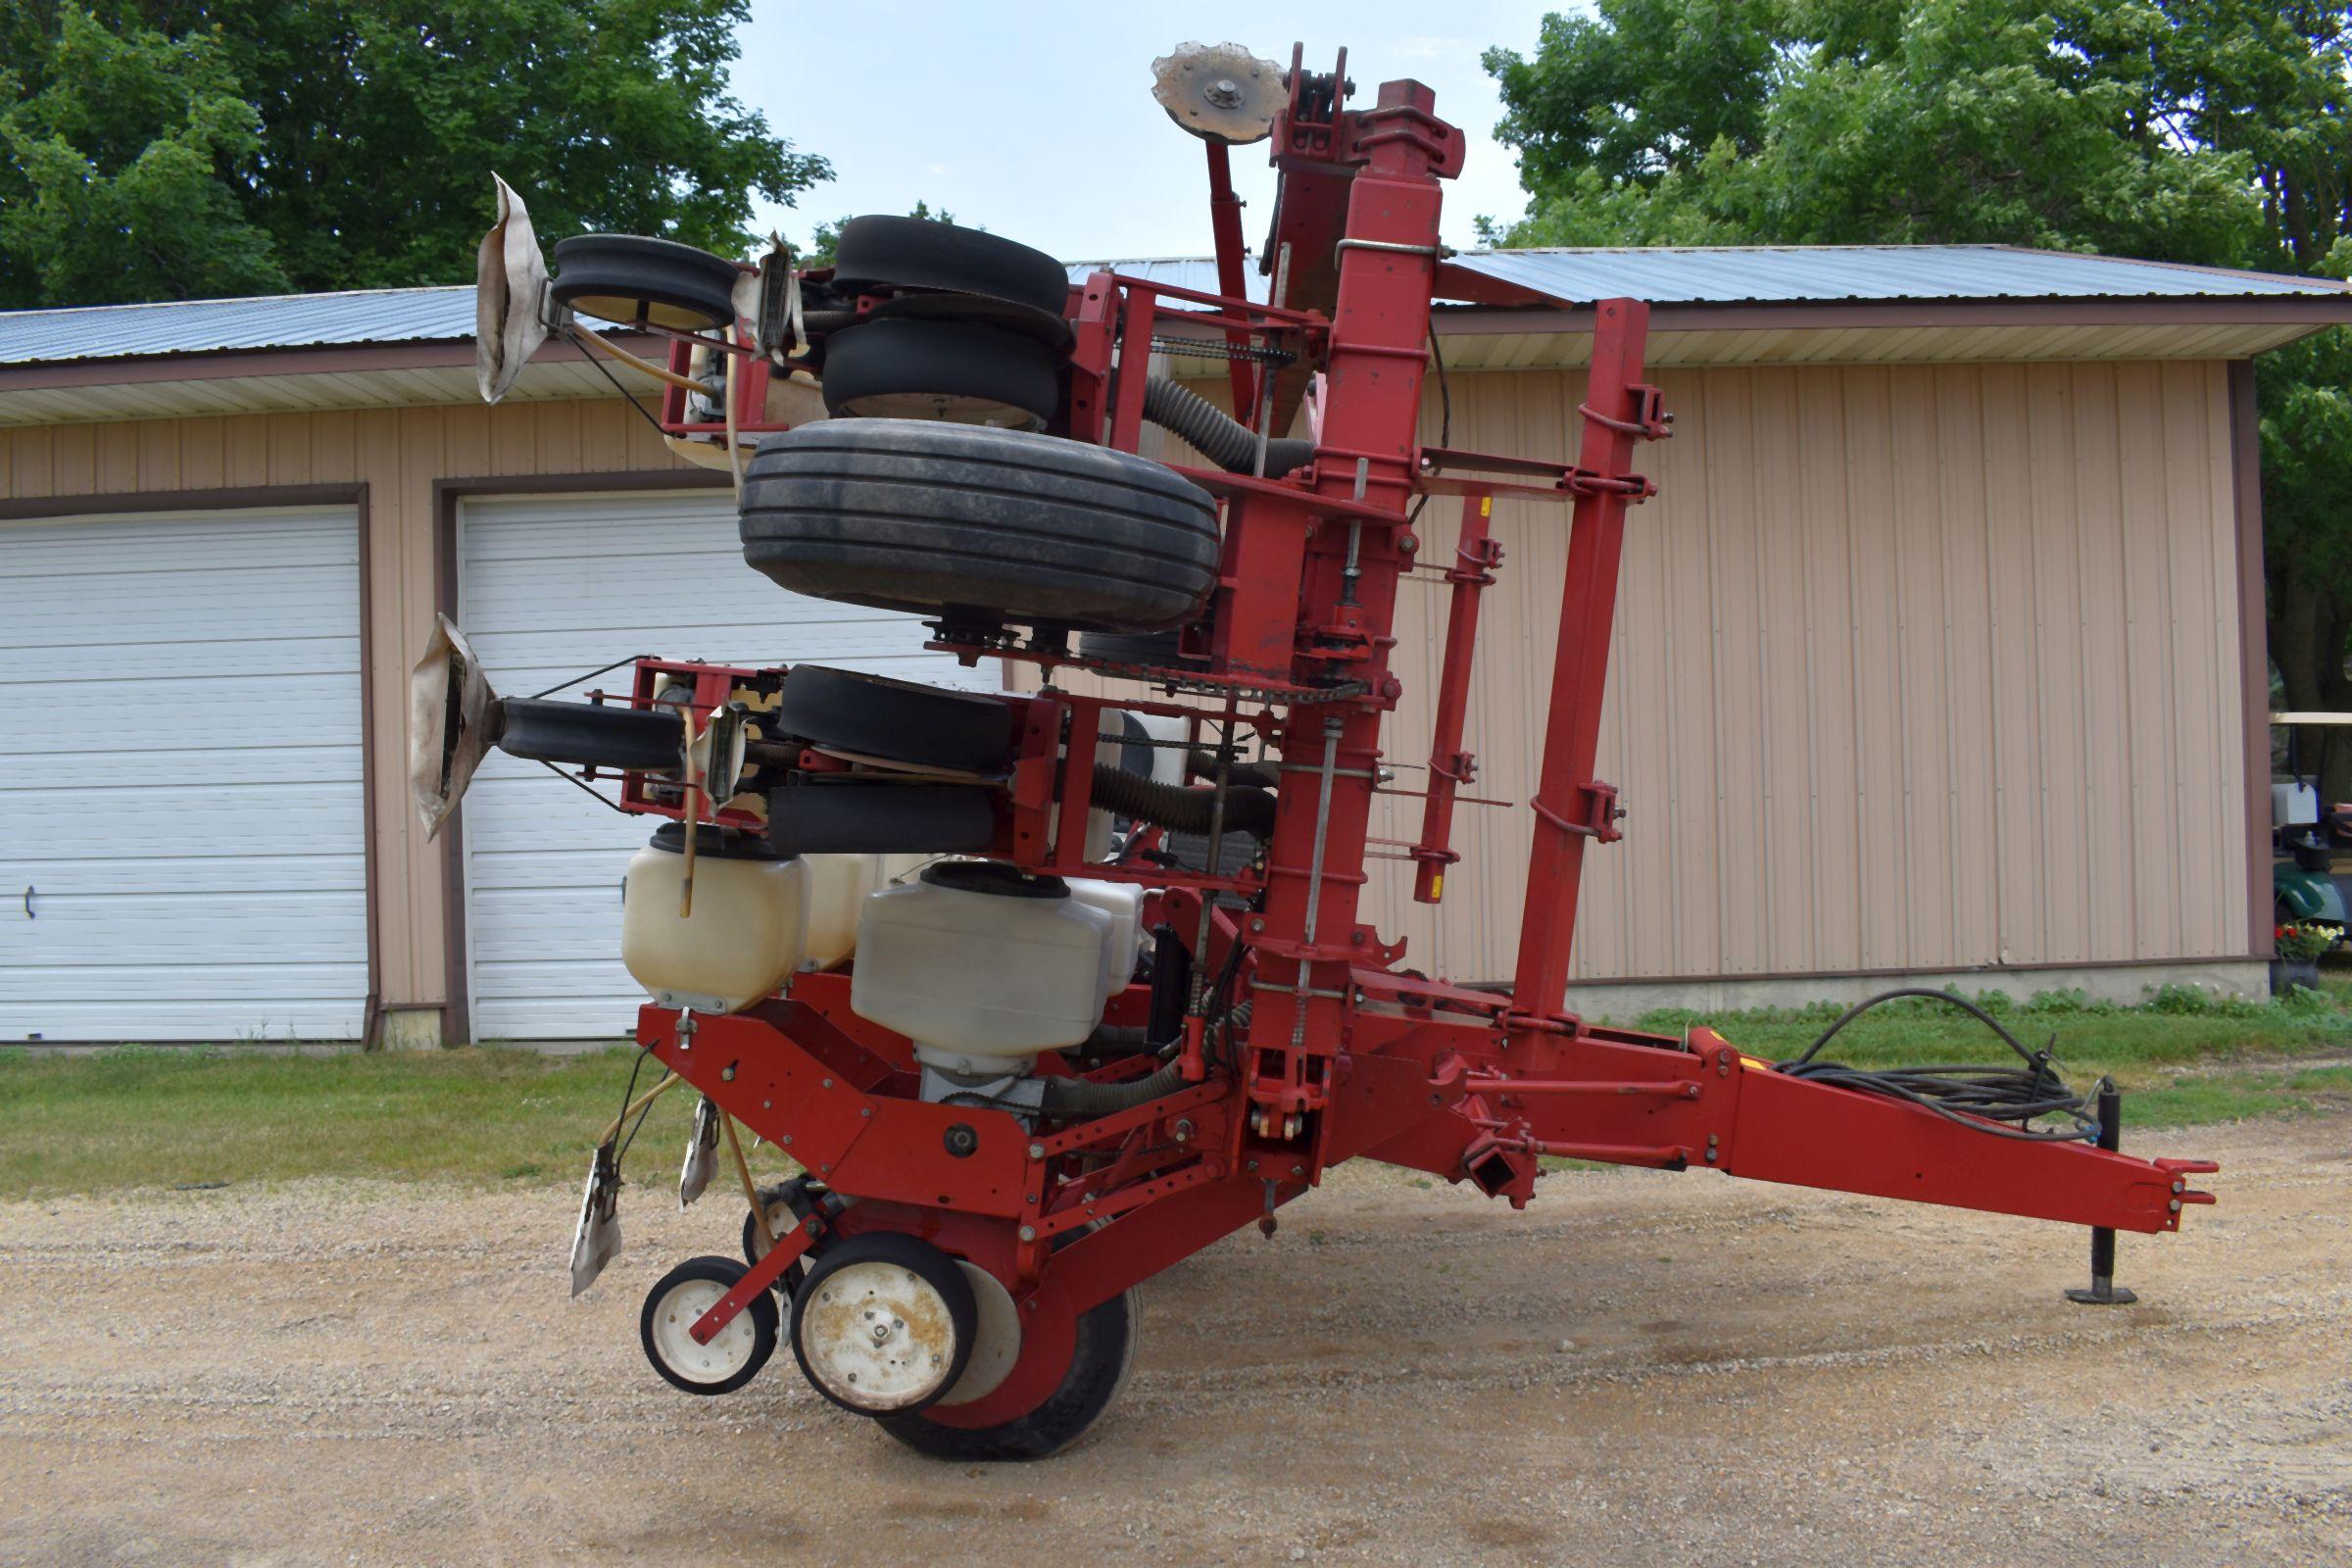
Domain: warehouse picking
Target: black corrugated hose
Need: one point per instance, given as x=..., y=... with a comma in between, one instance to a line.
x=1186, y=809
x=1223, y=439
x=2001, y=1101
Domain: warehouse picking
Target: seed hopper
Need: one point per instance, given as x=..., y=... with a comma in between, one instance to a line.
x=1046, y=990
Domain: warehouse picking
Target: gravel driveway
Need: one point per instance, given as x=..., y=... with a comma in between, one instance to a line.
x=1642, y=1368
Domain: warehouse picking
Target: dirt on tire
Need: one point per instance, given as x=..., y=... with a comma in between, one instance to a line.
x=1642, y=1368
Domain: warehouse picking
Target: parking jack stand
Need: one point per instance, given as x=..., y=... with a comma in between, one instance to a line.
x=2104, y=1291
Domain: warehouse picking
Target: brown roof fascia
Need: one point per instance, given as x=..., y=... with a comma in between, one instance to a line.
x=2306, y=310
x=340, y=359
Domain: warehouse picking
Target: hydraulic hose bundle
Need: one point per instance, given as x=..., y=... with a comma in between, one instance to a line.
x=1997, y=1100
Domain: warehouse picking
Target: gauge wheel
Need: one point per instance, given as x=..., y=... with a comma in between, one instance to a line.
x=900, y=720
x=884, y=1324
x=1102, y=1354
x=955, y=371
x=734, y=1356
x=889, y=252
x=633, y=281
x=979, y=526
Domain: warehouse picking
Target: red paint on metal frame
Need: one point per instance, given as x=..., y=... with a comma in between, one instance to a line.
x=1344, y=1054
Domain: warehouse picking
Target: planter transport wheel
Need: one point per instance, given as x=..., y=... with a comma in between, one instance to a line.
x=951, y=371
x=734, y=1356
x=884, y=1324
x=930, y=726
x=1100, y=1354
x=888, y=252
x=978, y=525
x=633, y=280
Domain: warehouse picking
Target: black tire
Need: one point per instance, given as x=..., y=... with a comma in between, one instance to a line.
x=936, y=1269
x=978, y=525
x=864, y=818
x=1099, y=1363
x=659, y=1325
x=632, y=280
x=1155, y=649
x=916, y=252
x=874, y=716
x=951, y=370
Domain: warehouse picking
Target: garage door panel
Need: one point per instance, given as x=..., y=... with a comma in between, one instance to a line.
x=127, y=549
x=136, y=823
x=248, y=660
x=273, y=732
x=550, y=589
x=208, y=880
x=79, y=874
x=146, y=1020
x=522, y=925
x=191, y=769
x=94, y=612
x=206, y=982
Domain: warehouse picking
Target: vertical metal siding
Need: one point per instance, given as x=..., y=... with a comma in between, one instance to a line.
x=1916, y=667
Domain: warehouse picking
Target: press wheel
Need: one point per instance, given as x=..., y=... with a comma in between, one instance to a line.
x=1037, y=1412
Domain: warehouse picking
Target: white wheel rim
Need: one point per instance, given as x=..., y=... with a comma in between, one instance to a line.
x=995, y=1338
x=780, y=1218
x=730, y=1348
x=877, y=1337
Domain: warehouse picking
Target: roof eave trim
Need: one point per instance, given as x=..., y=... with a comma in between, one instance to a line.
x=219, y=364
x=2312, y=310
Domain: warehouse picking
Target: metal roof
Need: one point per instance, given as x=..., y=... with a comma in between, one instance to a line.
x=1779, y=274
x=1815, y=274
x=206, y=326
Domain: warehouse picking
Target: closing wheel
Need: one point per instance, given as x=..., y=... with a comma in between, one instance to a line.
x=735, y=1353
x=901, y=720
x=884, y=1324
x=1039, y=1410
x=890, y=252
x=958, y=371
x=631, y=279
x=973, y=523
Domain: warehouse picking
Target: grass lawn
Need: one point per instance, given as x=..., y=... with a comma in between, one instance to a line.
x=166, y=1117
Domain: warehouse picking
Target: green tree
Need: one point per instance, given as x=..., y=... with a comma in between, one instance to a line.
x=370, y=131
x=110, y=186
x=2211, y=131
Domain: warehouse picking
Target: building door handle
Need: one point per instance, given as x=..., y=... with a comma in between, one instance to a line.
x=28, y=915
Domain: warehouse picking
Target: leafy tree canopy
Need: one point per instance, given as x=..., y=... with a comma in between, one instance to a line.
x=159, y=150
x=2209, y=132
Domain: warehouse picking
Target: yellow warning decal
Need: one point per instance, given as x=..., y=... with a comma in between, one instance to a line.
x=1486, y=505
x=1437, y=886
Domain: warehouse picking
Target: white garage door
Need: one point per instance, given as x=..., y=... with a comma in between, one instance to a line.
x=183, y=829
x=548, y=588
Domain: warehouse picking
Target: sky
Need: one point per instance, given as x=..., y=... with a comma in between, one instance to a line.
x=1036, y=121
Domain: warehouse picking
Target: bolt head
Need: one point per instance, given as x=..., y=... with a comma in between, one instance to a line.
x=1028, y=1232
x=1037, y=1150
